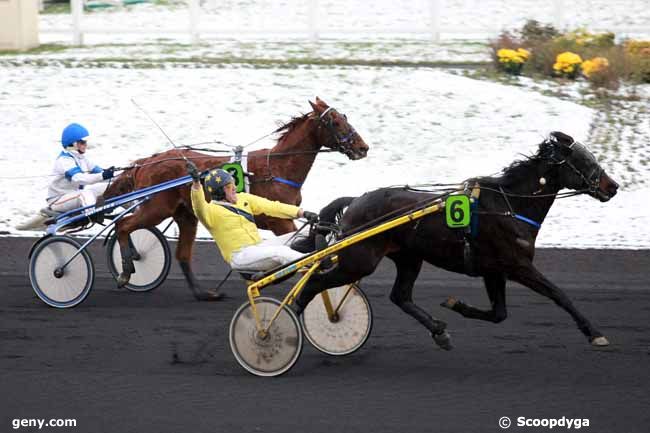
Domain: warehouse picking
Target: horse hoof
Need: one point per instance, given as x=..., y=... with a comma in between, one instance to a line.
x=443, y=340
x=449, y=303
x=209, y=295
x=600, y=341
x=123, y=280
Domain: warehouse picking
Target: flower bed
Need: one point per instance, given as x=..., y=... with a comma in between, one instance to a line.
x=596, y=57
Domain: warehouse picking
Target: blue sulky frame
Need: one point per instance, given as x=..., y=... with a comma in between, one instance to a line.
x=133, y=199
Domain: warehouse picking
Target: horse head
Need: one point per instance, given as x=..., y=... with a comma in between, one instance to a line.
x=336, y=133
x=579, y=169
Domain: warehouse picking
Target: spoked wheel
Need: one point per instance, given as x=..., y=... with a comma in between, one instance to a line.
x=271, y=354
x=348, y=327
x=152, y=259
x=56, y=286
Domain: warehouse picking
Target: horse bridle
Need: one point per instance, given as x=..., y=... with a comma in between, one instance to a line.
x=340, y=143
x=592, y=181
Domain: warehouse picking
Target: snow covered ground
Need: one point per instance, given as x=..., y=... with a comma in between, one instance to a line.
x=422, y=125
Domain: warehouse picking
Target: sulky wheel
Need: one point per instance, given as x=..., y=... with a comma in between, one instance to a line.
x=347, y=330
x=271, y=354
x=56, y=286
x=151, y=258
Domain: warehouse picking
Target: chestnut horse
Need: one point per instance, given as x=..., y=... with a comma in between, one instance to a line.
x=277, y=174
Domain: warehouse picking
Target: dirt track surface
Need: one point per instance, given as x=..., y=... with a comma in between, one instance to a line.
x=109, y=362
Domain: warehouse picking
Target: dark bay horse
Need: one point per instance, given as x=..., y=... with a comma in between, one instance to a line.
x=278, y=174
x=500, y=247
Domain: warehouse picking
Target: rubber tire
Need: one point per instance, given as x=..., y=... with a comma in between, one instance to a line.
x=320, y=345
x=237, y=323
x=162, y=242
x=87, y=261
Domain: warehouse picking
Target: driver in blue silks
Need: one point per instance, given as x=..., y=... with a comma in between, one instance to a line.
x=77, y=182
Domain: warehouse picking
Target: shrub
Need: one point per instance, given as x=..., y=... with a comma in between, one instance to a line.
x=594, y=66
x=582, y=38
x=505, y=40
x=599, y=73
x=638, y=57
x=534, y=33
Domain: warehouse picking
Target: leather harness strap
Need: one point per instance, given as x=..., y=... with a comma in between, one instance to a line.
x=471, y=231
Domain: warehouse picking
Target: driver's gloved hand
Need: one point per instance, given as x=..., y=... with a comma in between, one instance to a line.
x=108, y=173
x=310, y=216
x=193, y=171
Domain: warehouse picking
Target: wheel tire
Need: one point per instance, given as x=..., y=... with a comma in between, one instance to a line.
x=73, y=287
x=152, y=268
x=273, y=355
x=349, y=333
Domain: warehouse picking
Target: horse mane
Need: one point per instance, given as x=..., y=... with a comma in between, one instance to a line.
x=519, y=169
x=286, y=128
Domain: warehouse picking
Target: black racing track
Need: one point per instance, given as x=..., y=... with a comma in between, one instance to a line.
x=160, y=362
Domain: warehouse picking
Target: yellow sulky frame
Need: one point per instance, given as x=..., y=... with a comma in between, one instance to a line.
x=312, y=262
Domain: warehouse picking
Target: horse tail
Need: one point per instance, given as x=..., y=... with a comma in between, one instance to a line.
x=333, y=211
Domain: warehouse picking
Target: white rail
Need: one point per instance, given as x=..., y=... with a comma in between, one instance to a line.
x=194, y=29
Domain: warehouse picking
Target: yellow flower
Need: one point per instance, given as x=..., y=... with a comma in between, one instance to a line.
x=524, y=54
x=567, y=63
x=512, y=61
x=506, y=55
x=597, y=64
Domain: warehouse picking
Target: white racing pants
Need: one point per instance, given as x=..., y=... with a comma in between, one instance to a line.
x=266, y=255
x=76, y=199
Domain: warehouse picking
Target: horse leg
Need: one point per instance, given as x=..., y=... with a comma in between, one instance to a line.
x=495, y=285
x=320, y=282
x=129, y=254
x=128, y=268
x=187, y=224
x=530, y=277
x=408, y=269
x=145, y=216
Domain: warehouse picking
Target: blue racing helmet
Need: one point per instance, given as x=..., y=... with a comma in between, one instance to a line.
x=73, y=133
x=215, y=180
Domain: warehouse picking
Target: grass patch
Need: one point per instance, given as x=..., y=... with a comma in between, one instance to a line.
x=203, y=61
x=56, y=8
x=41, y=49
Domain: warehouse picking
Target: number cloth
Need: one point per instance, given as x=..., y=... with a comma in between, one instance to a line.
x=457, y=211
x=237, y=237
x=237, y=172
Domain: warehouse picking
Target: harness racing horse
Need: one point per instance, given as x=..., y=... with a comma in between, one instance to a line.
x=276, y=173
x=501, y=247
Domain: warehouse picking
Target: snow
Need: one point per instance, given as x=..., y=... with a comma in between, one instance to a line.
x=422, y=125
